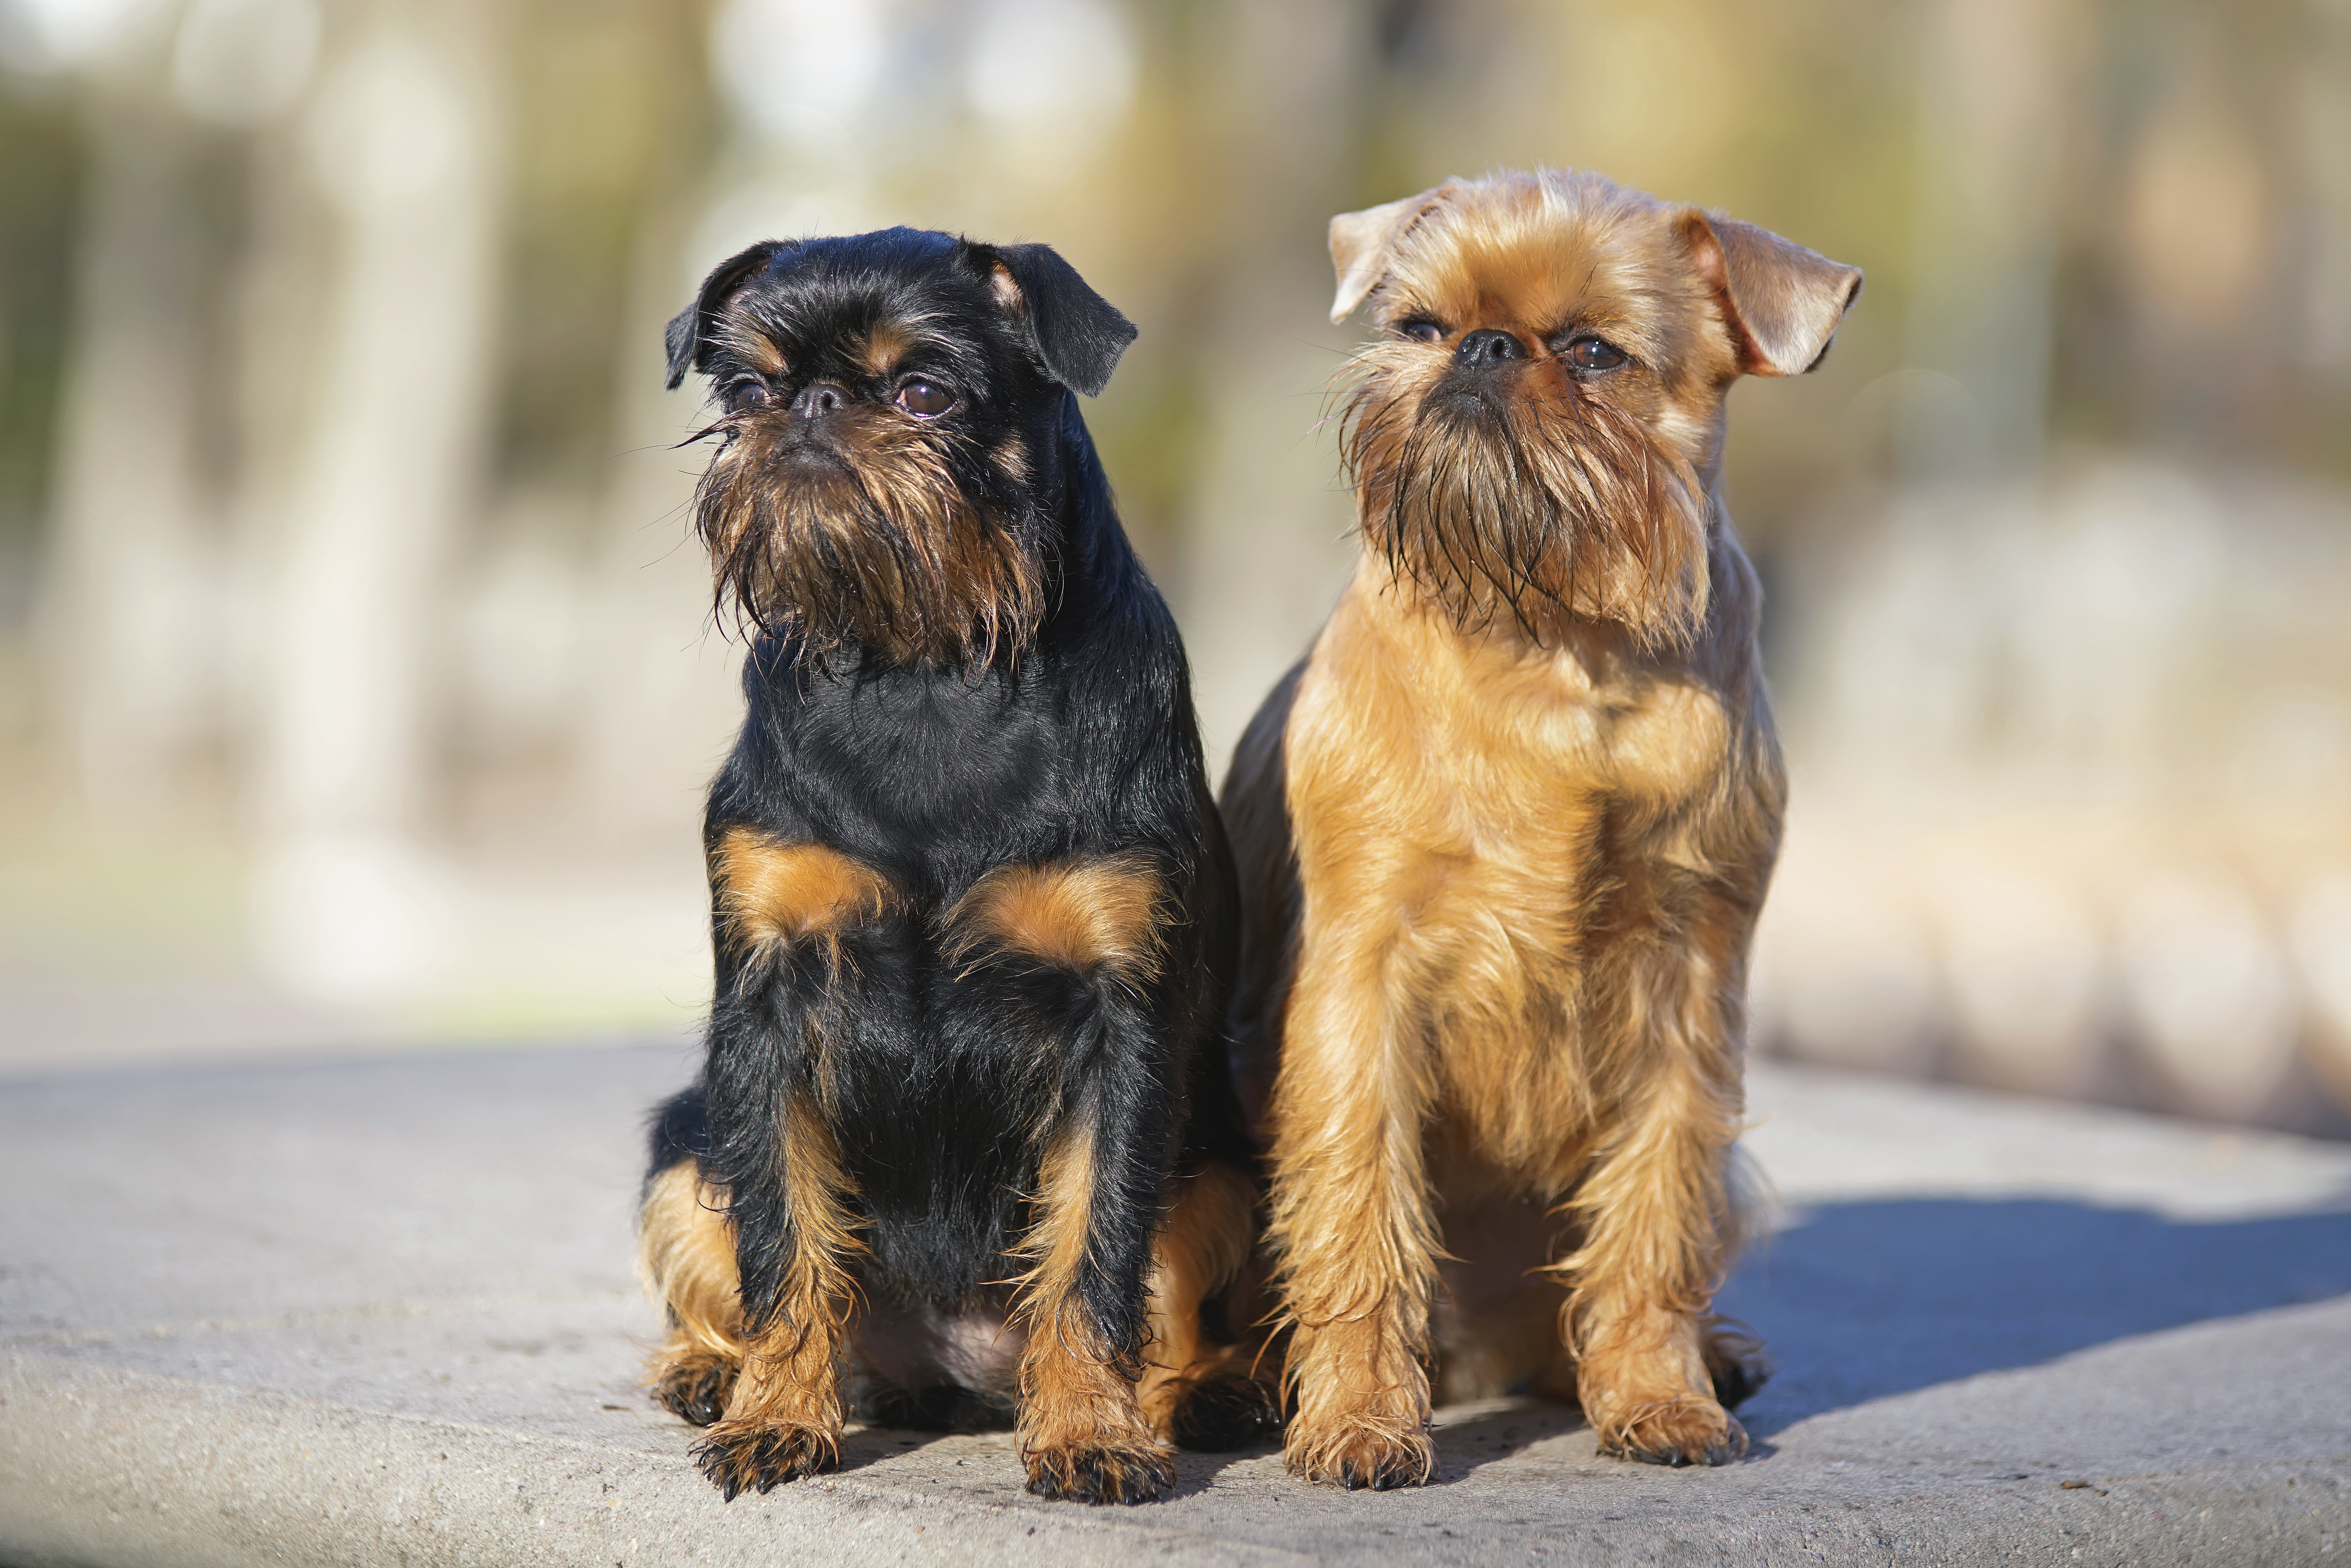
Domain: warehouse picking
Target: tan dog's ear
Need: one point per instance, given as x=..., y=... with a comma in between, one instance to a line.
x=1781, y=302
x=1360, y=243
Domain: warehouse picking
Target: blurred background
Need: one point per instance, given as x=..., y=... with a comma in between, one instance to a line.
x=356, y=678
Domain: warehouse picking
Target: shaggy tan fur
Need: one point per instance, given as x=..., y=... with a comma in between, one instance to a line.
x=685, y=1259
x=1504, y=834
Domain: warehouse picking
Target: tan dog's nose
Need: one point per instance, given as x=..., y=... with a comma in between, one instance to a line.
x=1486, y=347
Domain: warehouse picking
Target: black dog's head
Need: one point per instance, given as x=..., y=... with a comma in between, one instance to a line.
x=890, y=406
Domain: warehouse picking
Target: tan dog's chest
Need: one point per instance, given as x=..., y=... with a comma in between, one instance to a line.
x=1510, y=819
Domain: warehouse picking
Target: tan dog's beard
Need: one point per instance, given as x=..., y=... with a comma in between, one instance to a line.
x=884, y=551
x=1528, y=513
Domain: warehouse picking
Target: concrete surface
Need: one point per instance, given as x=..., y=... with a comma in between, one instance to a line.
x=380, y=1312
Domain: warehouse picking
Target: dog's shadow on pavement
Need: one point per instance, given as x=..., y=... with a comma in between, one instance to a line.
x=1859, y=1301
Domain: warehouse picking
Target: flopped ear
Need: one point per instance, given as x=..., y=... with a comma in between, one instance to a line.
x=1780, y=301
x=1079, y=334
x=690, y=327
x=1360, y=244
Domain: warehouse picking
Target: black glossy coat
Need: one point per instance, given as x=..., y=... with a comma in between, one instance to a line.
x=949, y=1081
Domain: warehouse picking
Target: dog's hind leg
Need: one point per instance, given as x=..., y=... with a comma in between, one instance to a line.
x=1198, y=1394
x=685, y=1255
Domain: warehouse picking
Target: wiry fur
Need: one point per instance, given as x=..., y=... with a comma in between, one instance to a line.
x=965, y=1145
x=1532, y=509
x=888, y=554
x=1504, y=833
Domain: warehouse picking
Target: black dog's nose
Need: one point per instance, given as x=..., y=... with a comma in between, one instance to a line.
x=1487, y=346
x=819, y=399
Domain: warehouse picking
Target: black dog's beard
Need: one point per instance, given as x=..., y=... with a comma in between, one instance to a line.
x=1529, y=510
x=879, y=547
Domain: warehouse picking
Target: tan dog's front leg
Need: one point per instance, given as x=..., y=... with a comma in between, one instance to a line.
x=1655, y=1215
x=1351, y=1222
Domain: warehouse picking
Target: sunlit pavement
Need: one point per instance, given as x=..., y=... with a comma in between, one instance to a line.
x=380, y=1310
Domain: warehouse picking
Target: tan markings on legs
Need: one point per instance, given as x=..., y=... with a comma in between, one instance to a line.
x=1084, y=916
x=685, y=1258
x=774, y=894
x=784, y=1418
x=1082, y=1434
x=1655, y=1211
x=1192, y=1392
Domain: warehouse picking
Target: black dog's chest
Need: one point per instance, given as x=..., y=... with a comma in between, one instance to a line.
x=907, y=769
x=927, y=743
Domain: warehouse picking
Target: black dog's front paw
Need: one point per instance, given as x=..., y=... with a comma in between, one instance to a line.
x=739, y=1457
x=1106, y=1472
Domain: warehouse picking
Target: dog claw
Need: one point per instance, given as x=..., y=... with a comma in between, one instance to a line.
x=696, y=1392
x=1652, y=1440
x=1097, y=1475
x=740, y=1459
x=1365, y=1461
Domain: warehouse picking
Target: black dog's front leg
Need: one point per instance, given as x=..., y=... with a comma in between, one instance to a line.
x=785, y=912
x=1077, y=951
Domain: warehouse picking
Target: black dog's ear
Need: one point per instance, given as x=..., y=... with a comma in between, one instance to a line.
x=1079, y=334
x=690, y=327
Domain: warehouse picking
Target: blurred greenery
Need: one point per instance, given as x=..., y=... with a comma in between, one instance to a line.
x=2108, y=248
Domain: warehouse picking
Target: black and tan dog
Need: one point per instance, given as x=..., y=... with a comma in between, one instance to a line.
x=964, y=1139
x=1504, y=834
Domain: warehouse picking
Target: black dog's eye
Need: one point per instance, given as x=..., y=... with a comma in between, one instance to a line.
x=1421, y=329
x=925, y=398
x=1595, y=354
x=747, y=393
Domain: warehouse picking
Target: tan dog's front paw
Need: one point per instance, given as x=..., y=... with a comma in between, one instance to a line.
x=1686, y=1430
x=740, y=1457
x=1099, y=1472
x=1359, y=1457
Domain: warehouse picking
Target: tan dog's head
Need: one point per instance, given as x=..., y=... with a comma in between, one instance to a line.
x=1536, y=434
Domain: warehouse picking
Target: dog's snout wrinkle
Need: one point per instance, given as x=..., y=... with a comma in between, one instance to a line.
x=1487, y=346
x=819, y=399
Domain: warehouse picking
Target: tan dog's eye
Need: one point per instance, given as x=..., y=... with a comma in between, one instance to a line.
x=927, y=399
x=1595, y=354
x=747, y=393
x=1421, y=329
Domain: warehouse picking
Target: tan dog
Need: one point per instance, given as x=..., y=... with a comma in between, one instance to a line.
x=1504, y=833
